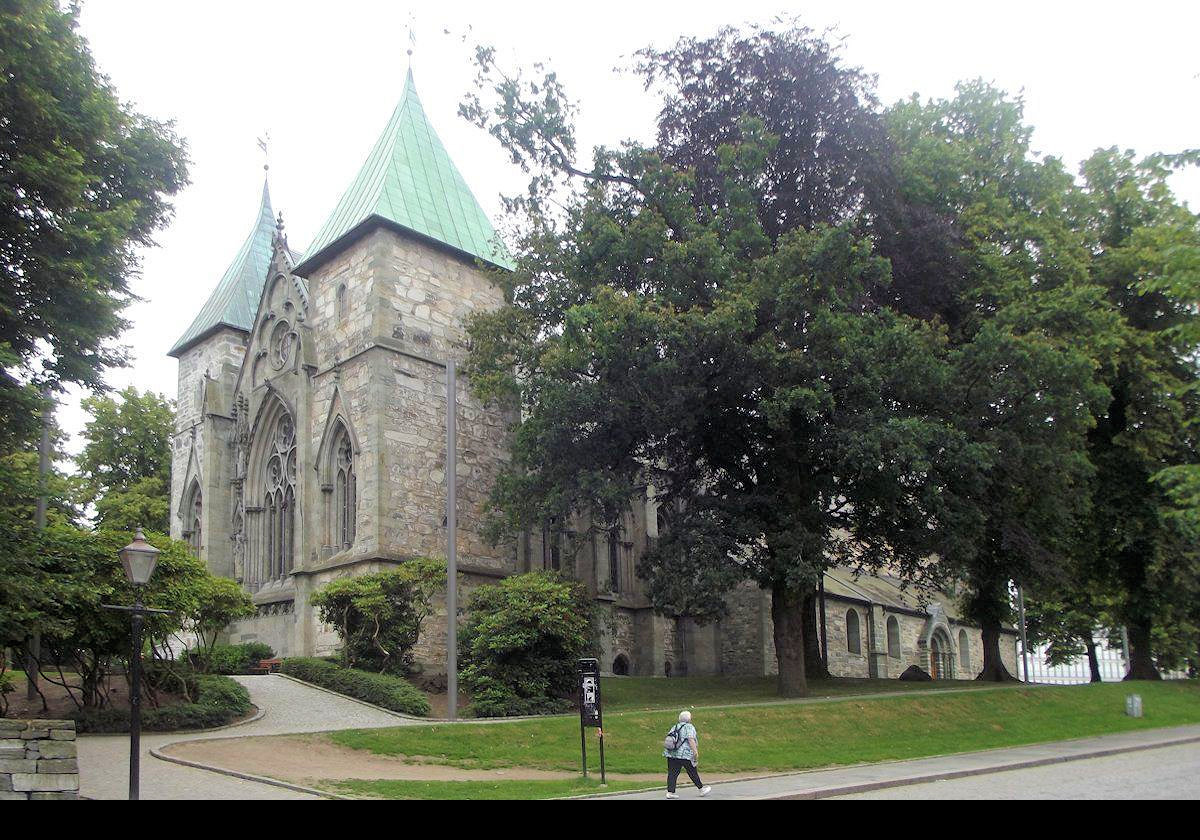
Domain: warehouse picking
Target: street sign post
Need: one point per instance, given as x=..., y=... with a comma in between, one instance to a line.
x=591, y=713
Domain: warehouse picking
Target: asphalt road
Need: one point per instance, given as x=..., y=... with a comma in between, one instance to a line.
x=1163, y=773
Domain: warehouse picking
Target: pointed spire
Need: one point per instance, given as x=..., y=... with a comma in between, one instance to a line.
x=234, y=301
x=409, y=182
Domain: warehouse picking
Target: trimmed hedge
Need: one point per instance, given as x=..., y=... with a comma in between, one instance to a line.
x=384, y=690
x=219, y=701
x=234, y=659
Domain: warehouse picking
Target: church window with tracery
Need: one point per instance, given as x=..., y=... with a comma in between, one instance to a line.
x=279, y=503
x=345, y=492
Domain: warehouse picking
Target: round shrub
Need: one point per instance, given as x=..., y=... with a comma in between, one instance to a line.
x=520, y=644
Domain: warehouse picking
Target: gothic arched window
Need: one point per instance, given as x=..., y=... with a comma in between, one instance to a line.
x=343, y=304
x=853, y=635
x=893, y=637
x=279, y=503
x=345, y=491
x=964, y=651
x=193, y=519
x=614, y=560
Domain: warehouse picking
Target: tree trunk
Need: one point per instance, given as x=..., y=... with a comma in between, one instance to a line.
x=993, y=664
x=1141, y=664
x=814, y=662
x=787, y=614
x=1093, y=661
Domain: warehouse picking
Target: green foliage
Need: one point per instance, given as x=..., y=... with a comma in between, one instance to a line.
x=126, y=459
x=379, y=616
x=87, y=183
x=519, y=646
x=385, y=690
x=658, y=332
x=219, y=701
x=233, y=659
x=218, y=602
x=1029, y=335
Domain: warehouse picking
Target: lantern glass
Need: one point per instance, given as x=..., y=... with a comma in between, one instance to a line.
x=139, y=559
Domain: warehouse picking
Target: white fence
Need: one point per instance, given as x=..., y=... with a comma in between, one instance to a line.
x=1113, y=666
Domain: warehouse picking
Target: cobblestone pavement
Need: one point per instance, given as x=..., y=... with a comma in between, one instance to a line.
x=1165, y=773
x=288, y=707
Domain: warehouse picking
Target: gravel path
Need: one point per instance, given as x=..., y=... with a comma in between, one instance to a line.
x=288, y=708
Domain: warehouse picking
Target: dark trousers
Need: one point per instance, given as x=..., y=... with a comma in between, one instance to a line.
x=674, y=765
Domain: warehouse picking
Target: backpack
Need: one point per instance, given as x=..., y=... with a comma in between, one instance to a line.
x=674, y=739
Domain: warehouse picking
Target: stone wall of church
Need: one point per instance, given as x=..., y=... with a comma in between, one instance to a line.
x=215, y=355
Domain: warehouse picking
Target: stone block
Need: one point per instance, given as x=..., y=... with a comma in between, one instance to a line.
x=12, y=748
x=45, y=781
x=35, y=734
x=10, y=725
x=61, y=794
x=58, y=749
x=62, y=734
x=17, y=765
x=51, y=724
x=58, y=765
x=10, y=794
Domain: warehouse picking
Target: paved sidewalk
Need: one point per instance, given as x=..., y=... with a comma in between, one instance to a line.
x=288, y=708
x=819, y=784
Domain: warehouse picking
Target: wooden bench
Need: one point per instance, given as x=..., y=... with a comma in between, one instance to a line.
x=266, y=666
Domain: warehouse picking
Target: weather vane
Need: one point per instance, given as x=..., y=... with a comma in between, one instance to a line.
x=264, y=143
x=412, y=35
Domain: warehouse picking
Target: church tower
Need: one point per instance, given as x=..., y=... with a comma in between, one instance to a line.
x=210, y=354
x=406, y=255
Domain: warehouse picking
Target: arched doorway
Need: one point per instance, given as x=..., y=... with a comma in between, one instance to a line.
x=939, y=656
x=620, y=666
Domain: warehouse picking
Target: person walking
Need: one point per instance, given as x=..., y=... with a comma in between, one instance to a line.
x=682, y=753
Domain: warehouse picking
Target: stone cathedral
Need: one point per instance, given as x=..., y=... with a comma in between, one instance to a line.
x=310, y=441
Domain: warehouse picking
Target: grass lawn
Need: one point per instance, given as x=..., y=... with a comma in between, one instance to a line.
x=508, y=789
x=797, y=736
x=633, y=693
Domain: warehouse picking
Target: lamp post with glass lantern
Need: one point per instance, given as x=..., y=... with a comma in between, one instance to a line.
x=138, y=558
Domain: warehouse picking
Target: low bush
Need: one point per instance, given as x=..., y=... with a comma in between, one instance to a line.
x=520, y=644
x=219, y=701
x=379, y=616
x=233, y=659
x=384, y=690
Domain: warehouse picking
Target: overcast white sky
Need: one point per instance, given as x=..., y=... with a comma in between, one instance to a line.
x=323, y=78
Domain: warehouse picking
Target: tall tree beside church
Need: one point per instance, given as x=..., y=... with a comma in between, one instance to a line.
x=830, y=160
x=126, y=459
x=1029, y=332
x=654, y=334
x=1146, y=255
x=85, y=183
x=952, y=196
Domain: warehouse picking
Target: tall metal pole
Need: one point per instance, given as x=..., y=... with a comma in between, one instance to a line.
x=135, y=702
x=1024, y=638
x=451, y=544
x=34, y=651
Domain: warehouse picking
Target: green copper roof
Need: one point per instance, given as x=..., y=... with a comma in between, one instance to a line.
x=409, y=180
x=234, y=302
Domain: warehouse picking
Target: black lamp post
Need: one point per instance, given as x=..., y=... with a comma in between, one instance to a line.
x=139, y=559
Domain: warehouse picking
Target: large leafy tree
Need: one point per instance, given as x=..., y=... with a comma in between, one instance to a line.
x=1138, y=544
x=656, y=334
x=1029, y=335
x=84, y=182
x=125, y=462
